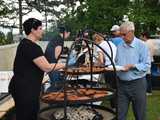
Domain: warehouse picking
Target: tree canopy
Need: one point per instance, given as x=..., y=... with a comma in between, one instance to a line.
x=95, y=14
x=102, y=14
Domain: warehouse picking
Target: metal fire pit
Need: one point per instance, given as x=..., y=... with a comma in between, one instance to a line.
x=78, y=112
x=77, y=96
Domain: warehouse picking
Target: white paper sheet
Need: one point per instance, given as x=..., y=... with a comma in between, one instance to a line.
x=5, y=77
x=118, y=68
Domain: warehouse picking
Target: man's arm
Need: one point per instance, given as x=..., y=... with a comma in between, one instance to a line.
x=145, y=60
x=101, y=58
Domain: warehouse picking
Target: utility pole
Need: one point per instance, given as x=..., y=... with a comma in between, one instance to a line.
x=20, y=19
x=45, y=3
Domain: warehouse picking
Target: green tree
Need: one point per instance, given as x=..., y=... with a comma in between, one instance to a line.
x=102, y=14
x=6, y=39
x=98, y=15
x=145, y=14
x=9, y=38
x=2, y=38
x=3, y=8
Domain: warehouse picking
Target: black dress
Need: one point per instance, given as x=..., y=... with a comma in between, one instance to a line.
x=25, y=85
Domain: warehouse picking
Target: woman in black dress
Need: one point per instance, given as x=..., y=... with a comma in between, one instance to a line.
x=29, y=67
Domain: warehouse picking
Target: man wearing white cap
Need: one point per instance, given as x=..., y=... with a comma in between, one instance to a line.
x=116, y=39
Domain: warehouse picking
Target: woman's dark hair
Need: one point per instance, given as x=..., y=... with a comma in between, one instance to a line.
x=146, y=34
x=31, y=23
x=63, y=29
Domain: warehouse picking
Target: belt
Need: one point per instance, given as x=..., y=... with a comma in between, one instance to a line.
x=134, y=80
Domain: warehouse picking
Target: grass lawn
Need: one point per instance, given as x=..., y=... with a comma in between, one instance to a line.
x=153, y=108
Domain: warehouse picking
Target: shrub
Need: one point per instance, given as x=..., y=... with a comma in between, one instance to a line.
x=6, y=40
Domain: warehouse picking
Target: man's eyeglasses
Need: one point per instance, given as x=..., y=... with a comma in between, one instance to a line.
x=124, y=34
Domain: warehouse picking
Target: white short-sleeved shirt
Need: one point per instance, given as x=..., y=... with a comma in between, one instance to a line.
x=106, y=48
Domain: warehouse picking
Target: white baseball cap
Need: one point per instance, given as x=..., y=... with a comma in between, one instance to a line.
x=158, y=29
x=115, y=28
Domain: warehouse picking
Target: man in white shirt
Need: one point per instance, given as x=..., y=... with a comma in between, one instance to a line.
x=103, y=59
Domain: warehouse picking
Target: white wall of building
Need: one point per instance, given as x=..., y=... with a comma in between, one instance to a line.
x=8, y=52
